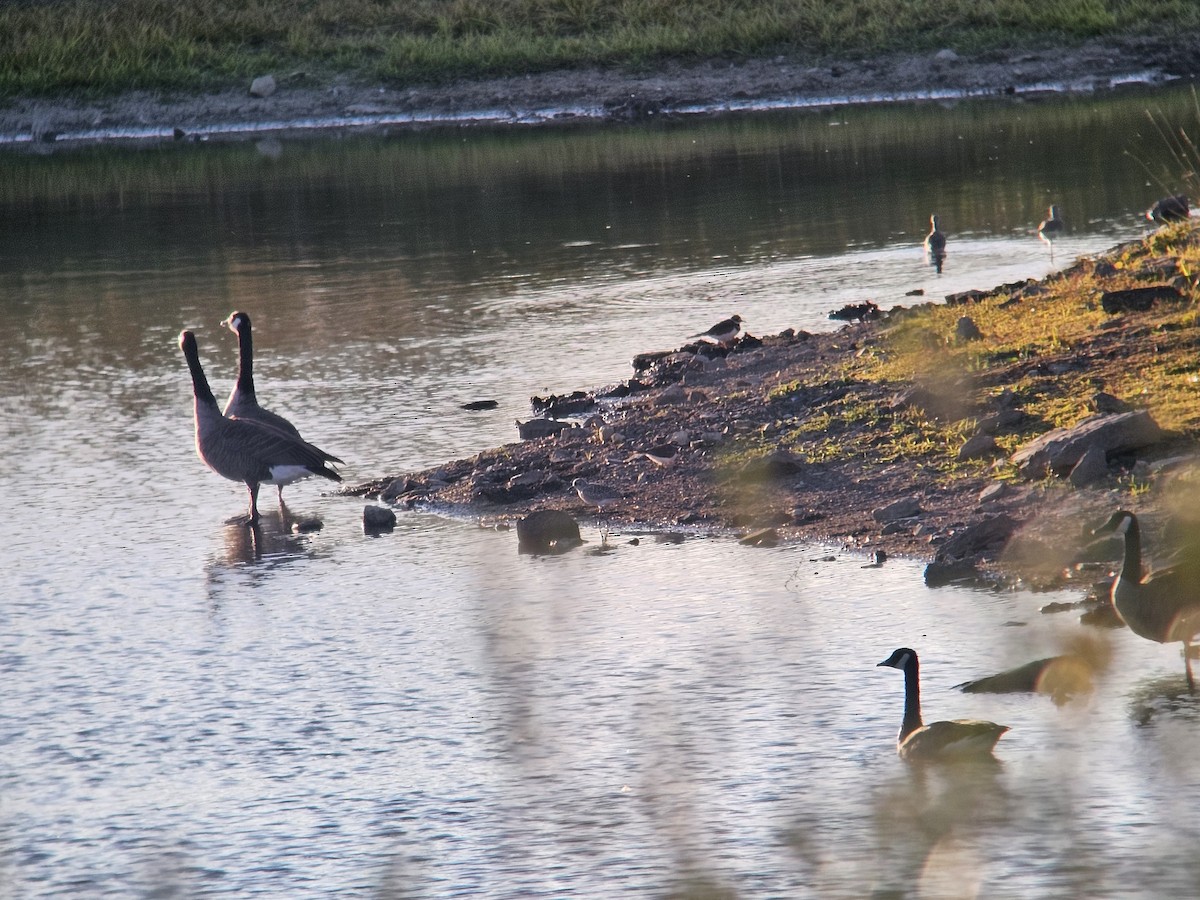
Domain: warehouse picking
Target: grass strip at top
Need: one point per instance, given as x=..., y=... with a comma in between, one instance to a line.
x=49, y=46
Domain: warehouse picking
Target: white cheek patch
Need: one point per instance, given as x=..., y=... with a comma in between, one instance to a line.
x=287, y=474
x=902, y=662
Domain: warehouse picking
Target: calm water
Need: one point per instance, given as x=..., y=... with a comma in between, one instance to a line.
x=428, y=714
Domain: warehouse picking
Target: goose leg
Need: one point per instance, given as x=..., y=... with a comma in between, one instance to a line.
x=253, y=488
x=1187, y=661
x=280, y=487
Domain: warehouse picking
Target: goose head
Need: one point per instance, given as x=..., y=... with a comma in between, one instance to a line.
x=902, y=658
x=237, y=321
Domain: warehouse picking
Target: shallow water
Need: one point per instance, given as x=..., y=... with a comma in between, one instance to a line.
x=427, y=713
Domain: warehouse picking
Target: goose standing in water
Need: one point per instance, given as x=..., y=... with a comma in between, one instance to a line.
x=243, y=401
x=935, y=245
x=956, y=738
x=244, y=450
x=1163, y=606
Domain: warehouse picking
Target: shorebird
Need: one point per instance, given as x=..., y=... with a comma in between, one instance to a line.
x=663, y=455
x=243, y=401
x=1051, y=227
x=935, y=245
x=955, y=738
x=723, y=333
x=1170, y=209
x=245, y=450
x=597, y=495
x=1163, y=606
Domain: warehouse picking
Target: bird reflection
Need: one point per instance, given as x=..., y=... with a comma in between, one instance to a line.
x=275, y=536
x=1169, y=696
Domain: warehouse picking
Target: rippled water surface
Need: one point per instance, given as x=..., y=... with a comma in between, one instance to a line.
x=190, y=711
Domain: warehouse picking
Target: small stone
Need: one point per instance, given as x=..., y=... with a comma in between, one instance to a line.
x=993, y=491
x=900, y=509
x=979, y=446
x=378, y=518
x=946, y=55
x=263, y=86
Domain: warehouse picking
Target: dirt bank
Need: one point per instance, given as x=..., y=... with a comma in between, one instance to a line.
x=750, y=439
x=305, y=101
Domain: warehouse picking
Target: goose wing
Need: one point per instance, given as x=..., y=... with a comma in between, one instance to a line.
x=259, y=449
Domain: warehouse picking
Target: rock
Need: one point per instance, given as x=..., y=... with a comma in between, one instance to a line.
x=856, y=312
x=939, y=574
x=1092, y=466
x=999, y=420
x=984, y=536
x=965, y=330
x=547, y=531
x=776, y=465
x=556, y=406
x=377, y=519
x=539, y=428
x=1102, y=402
x=979, y=446
x=1137, y=299
x=1059, y=450
x=671, y=396
x=900, y=509
x=964, y=297
x=263, y=86
x=946, y=55
x=309, y=526
x=764, y=537
x=994, y=491
x=476, y=405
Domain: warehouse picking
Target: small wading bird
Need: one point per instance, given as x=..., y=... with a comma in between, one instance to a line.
x=243, y=402
x=244, y=450
x=597, y=495
x=957, y=738
x=723, y=333
x=1051, y=227
x=935, y=245
x=1163, y=606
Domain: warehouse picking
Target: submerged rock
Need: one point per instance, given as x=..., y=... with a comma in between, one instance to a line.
x=547, y=531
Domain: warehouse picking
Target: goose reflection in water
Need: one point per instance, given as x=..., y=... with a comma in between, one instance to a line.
x=276, y=537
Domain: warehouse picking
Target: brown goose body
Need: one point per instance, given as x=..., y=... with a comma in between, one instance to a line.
x=951, y=739
x=1163, y=606
x=242, y=449
x=243, y=400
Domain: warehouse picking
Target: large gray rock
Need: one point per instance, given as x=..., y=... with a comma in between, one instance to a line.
x=547, y=531
x=263, y=86
x=900, y=509
x=1059, y=451
x=1092, y=466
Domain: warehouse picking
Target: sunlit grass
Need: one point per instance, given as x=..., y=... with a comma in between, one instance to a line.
x=115, y=44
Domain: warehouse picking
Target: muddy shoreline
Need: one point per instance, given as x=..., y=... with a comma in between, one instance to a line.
x=304, y=103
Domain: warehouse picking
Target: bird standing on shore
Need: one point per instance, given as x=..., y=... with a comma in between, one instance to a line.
x=955, y=738
x=244, y=450
x=243, y=401
x=935, y=245
x=1163, y=606
x=600, y=496
x=723, y=333
x=1170, y=209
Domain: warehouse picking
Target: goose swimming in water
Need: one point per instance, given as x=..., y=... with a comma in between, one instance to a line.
x=243, y=401
x=244, y=450
x=1163, y=606
x=956, y=738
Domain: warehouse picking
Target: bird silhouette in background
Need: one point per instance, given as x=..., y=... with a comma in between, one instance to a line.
x=935, y=245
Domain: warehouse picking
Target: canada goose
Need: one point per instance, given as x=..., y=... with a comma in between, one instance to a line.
x=935, y=245
x=948, y=739
x=1163, y=606
x=1170, y=209
x=1052, y=226
x=597, y=495
x=723, y=332
x=1061, y=677
x=244, y=450
x=243, y=402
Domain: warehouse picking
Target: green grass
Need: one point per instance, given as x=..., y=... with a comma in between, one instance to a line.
x=49, y=46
